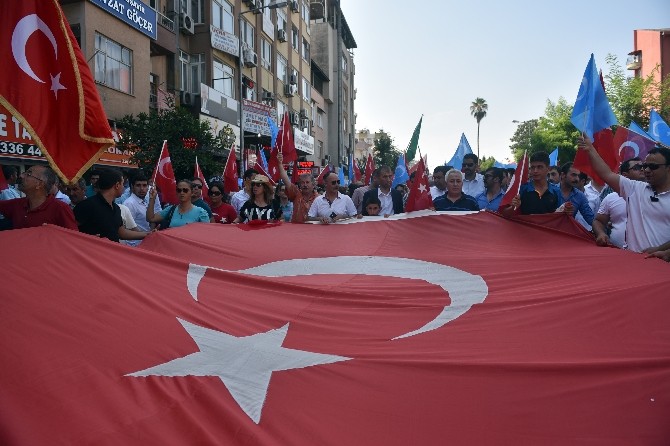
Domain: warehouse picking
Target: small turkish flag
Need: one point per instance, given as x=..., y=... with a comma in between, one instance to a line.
x=603, y=141
x=520, y=177
x=419, y=193
x=357, y=171
x=163, y=177
x=325, y=171
x=369, y=168
x=230, y=176
x=285, y=143
x=47, y=85
x=629, y=144
x=198, y=174
x=259, y=168
x=273, y=166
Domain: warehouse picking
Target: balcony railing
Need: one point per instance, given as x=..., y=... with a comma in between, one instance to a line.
x=165, y=22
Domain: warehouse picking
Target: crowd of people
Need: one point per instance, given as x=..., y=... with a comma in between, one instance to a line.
x=631, y=210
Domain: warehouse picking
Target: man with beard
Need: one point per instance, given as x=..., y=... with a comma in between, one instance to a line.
x=332, y=206
x=38, y=207
x=301, y=195
x=490, y=199
x=570, y=193
x=137, y=204
x=473, y=181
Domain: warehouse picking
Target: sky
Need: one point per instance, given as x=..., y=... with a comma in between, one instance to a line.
x=435, y=57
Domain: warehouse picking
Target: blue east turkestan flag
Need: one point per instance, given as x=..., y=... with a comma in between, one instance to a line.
x=553, y=157
x=658, y=128
x=264, y=160
x=274, y=130
x=400, y=176
x=592, y=111
x=340, y=176
x=463, y=149
x=635, y=127
x=504, y=166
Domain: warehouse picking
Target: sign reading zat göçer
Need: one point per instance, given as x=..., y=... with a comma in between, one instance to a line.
x=135, y=13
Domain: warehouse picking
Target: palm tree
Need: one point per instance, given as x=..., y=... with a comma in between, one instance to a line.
x=478, y=109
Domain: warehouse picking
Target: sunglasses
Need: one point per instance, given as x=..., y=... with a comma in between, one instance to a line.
x=651, y=166
x=184, y=190
x=335, y=182
x=214, y=193
x=635, y=167
x=196, y=186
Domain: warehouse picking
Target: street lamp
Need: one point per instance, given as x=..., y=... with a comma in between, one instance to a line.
x=240, y=60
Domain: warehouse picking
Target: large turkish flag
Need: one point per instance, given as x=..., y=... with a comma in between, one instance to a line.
x=438, y=329
x=47, y=85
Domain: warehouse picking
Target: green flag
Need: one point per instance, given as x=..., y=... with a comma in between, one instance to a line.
x=413, y=143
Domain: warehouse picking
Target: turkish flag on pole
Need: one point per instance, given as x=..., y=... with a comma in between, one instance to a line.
x=369, y=168
x=325, y=171
x=603, y=141
x=273, y=166
x=299, y=347
x=357, y=171
x=520, y=177
x=47, y=85
x=629, y=144
x=230, y=176
x=419, y=193
x=198, y=174
x=163, y=177
x=285, y=143
x=259, y=167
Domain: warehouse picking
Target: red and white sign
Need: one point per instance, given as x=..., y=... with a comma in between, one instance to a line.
x=403, y=332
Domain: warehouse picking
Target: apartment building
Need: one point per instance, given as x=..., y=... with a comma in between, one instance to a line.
x=651, y=50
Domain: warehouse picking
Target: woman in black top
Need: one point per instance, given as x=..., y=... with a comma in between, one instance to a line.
x=259, y=206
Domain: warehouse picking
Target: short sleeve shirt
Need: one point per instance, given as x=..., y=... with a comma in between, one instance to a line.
x=52, y=211
x=342, y=205
x=648, y=222
x=96, y=216
x=533, y=203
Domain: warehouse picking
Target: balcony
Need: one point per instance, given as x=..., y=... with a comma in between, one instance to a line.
x=634, y=61
x=165, y=22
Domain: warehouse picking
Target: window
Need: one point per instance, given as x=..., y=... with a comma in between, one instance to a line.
x=194, y=8
x=294, y=76
x=153, y=4
x=222, y=16
x=113, y=64
x=306, y=90
x=184, y=60
x=319, y=148
x=305, y=13
x=266, y=54
x=305, y=49
x=281, y=68
x=344, y=124
x=248, y=92
x=294, y=38
x=223, y=76
x=319, y=119
x=281, y=19
x=153, y=91
x=248, y=34
x=281, y=108
x=197, y=69
x=345, y=64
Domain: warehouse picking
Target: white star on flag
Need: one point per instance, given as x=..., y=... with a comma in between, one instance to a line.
x=243, y=364
x=56, y=85
x=422, y=188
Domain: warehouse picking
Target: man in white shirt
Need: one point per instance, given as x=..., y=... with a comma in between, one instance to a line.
x=242, y=196
x=332, y=205
x=439, y=181
x=473, y=182
x=648, y=204
x=137, y=205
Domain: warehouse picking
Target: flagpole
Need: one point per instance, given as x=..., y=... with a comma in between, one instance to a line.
x=160, y=156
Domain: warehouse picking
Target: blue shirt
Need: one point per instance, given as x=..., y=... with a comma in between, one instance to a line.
x=580, y=203
x=493, y=205
x=465, y=203
x=196, y=214
x=532, y=203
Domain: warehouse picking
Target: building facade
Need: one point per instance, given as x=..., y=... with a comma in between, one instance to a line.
x=651, y=50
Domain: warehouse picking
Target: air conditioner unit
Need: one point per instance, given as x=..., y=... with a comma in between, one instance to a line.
x=295, y=118
x=250, y=58
x=294, y=6
x=304, y=123
x=186, y=24
x=290, y=90
x=257, y=6
x=267, y=96
x=303, y=113
x=187, y=99
x=293, y=79
x=281, y=35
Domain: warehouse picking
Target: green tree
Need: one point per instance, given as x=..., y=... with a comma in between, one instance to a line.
x=144, y=134
x=385, y=152
x=522, y=140
x=478, y=109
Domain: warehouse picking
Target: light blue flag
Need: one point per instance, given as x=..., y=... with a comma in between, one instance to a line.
x=340, y=175
x=553, y=157
x=592, y=111
x=463, y=149
x=274, y=131
x=400, y=176
x=504, y=166
x=264, y=160
x=658, y=128
x=635, y=127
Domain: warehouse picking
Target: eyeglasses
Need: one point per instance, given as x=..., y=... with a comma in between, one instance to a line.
x=30, y=174
x=256, y=184
x=651, y=166
x=214, y=193
x=183, y=190
x=636, y=167
x=196, y=186
x=335, y=182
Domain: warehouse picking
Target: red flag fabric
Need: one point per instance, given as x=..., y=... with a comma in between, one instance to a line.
x=369, y=168
x=163, y=177
x=273, y=166
x=325, y=171
x=198, y=174
x=357, y=172
x=230, y=176
x=3, y=181
x=295, y=176
x=47, y=85
x=285, y=143
x=259, y=167
x=520, y=177
x=629, y=144
x=603, y=141
x=419, y=192
x=460, y=348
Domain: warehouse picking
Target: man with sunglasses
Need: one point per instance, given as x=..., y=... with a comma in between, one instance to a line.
x=473, y=181
x=332, y=205
x=301, y=195
x=196, y=199
x=648, y=203
x=38, y=207
x=490, y=199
